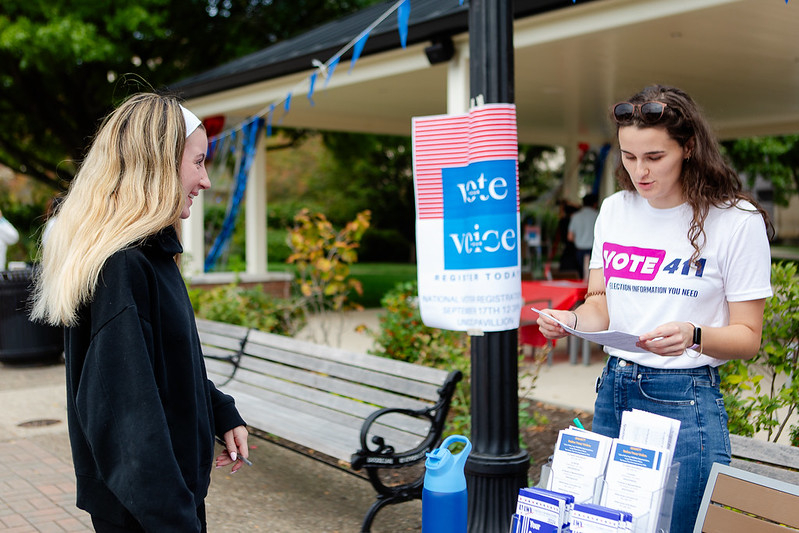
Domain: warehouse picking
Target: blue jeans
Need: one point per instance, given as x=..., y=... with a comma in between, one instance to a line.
x=691, y=396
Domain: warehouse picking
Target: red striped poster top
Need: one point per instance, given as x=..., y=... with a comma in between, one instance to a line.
x=441, y=141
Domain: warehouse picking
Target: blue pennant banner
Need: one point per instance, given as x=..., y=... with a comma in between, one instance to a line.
x=244, y=158
x=312, y=82
x=403, y=15
x=330, y=68
x=358, y=48
x=269, y=116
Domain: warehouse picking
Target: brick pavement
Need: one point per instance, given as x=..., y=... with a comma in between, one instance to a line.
x=37, y=491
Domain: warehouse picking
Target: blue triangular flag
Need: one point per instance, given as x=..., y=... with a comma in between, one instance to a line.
x=358, y=48
x=310, y=89
x=403, y=14
x=286, y=108
x=269, y=120
x=330, y=68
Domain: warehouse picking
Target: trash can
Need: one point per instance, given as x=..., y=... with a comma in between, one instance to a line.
x=23, y=341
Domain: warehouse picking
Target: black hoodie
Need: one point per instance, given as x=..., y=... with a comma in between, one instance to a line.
x=142, y=412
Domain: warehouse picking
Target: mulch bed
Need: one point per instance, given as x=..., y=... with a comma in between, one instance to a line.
x=539, y=440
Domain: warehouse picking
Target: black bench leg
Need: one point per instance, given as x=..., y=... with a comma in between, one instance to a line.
x=381, y=502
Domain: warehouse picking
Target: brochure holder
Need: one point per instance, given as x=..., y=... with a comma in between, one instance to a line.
x=599, y=483
x=665, y=496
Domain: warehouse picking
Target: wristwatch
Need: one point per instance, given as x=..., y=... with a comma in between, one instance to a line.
x=697, y=337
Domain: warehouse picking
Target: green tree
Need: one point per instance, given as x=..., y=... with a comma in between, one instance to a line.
x=372, y=172
x=773, y=158
x=65, y=63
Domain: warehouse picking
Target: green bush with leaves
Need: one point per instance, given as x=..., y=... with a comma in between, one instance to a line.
x=322, y=256
x=403, y=336
x=762, y=393
x=249, y=307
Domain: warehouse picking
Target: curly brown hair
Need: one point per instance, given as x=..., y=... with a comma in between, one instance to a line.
x=706, y=177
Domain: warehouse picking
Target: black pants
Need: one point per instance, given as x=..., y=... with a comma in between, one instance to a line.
x=103, y=526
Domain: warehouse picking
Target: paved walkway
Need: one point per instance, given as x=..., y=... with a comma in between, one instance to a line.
x=37, y=491
x=37, y=483
x=284, y=492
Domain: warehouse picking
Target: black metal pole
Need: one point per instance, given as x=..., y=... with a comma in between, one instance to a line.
x=497, y=467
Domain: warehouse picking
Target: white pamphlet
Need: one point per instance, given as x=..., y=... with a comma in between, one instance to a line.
x=580, y=458
x=614, y=339
x=650, y=429
x=634, y=479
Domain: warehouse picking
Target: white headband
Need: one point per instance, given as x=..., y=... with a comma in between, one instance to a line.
x=192, y=122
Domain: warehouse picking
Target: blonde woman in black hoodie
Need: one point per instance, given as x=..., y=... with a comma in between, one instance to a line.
x=142, y=413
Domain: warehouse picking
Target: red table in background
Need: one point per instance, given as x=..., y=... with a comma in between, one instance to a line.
x=542, y=294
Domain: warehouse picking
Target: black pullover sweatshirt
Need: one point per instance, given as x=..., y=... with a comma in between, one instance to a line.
x=142, y=413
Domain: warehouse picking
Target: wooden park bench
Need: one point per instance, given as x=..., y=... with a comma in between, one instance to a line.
x=351, y=410
x=759, y=491
x=777, y=461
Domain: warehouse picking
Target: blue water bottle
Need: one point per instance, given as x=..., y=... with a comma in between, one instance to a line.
x=444, y=499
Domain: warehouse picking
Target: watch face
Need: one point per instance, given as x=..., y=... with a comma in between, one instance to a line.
x=697, y=335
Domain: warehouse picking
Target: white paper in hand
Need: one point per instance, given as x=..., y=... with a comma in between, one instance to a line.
x=614, y=339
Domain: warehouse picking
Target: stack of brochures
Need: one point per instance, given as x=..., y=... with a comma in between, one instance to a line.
x=542, y=511
x=639, y=465
x=579, y=463
x=590, y=518
x=604, y=485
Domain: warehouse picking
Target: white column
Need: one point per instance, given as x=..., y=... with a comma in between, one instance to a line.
x=255, y=223
x=192, y=230
x=458, y=80
x=571, y=174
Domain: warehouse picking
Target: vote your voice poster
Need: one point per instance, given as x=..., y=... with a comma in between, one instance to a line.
x=465, y=170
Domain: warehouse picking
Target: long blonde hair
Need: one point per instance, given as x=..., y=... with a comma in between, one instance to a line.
x=127, y=188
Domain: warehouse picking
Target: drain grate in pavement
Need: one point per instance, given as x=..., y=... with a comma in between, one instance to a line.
x=38, y=423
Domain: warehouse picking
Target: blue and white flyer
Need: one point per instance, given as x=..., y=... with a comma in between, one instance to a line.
x=588, y=518
x=634, y=482
x=545, y=511
x=580, y=458
x=650, y=429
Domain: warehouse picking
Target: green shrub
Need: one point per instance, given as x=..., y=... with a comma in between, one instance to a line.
x=277, y=247
x=403, y=336
x=762, y=393
x=251, y=308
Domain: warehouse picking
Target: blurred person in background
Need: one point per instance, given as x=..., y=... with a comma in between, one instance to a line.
x=8, y=236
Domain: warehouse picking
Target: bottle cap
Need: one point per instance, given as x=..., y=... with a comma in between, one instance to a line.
x=444, y=471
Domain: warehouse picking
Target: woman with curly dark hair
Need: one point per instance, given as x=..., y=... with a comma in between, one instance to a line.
x=681, y=258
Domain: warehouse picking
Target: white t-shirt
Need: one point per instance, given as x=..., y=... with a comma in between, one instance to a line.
x=645, y=255
x=582, y=225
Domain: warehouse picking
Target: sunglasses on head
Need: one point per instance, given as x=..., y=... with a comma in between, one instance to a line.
x=649, y=112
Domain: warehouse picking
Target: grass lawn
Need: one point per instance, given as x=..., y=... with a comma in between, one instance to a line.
x=376, y=278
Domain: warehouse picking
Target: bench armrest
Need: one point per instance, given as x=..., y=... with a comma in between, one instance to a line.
x=385, y=456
